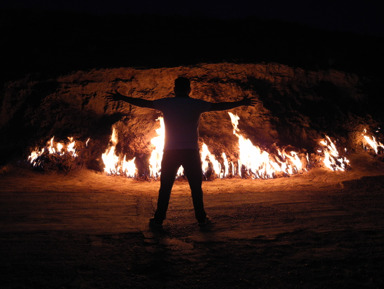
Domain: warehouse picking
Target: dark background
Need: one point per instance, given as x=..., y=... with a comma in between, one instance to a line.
x=55, y=37
x=344, y=15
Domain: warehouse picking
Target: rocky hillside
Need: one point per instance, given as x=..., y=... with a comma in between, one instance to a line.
x=295, y=107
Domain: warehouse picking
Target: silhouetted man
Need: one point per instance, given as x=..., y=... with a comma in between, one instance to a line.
x=181, y=117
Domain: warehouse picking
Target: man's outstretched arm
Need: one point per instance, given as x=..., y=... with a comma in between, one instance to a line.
x=116, y=96
x=247, y=101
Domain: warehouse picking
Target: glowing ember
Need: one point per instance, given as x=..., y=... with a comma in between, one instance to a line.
x=113, y=164
x=260, y=164
x=371, y=142
x=53, y=148
x=332, y=158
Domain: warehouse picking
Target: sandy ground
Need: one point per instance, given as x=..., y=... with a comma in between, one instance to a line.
x=87, y=230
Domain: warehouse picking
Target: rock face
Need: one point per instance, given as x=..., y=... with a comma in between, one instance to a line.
x=295, y=107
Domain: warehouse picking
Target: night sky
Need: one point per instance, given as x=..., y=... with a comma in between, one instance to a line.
x=45, y=36
x=362, y=17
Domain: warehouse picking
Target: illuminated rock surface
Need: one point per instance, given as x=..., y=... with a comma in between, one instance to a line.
x=295, y=108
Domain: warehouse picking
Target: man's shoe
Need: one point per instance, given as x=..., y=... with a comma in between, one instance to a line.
x=155, y=224
x=207, y=221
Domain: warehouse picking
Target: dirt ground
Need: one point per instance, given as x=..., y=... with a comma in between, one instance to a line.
x=88, y=230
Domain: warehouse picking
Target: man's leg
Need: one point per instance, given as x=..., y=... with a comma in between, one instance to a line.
x=169, y=165
x=192, y=169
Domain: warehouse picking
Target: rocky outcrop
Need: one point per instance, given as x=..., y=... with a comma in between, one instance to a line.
x=294, y=107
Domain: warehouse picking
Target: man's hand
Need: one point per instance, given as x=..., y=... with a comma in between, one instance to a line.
x=115, y=96
x=249, y=100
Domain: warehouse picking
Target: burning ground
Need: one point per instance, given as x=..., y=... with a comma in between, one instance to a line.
x=66, y=223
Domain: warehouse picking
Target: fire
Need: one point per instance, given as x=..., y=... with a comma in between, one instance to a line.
x=113, y=164
x=226, y=165
x=259, y=163
x=71, y=147
x=129, y=167
x=332, y=158
x=208, y=158
x=53, y=148
x=371, y=141
x=157, y=153
x=252, y=161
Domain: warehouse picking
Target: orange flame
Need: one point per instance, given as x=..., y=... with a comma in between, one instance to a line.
x=208, y=158
x=371, y=141
x=253, y=161
x=157, y=153
x=261, y=164
x=58, y=148
x=113, y=164
x=332, y=158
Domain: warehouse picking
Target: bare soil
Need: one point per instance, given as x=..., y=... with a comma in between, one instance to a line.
x=320, y=229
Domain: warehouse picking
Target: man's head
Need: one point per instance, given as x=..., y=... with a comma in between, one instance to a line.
x=182, y=87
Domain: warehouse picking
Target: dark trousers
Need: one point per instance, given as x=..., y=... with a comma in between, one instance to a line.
x=172, y=160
